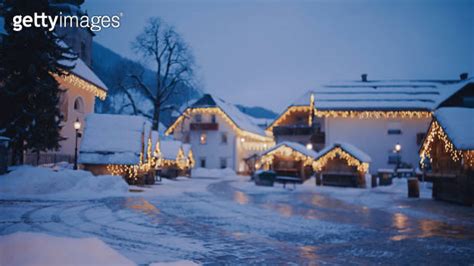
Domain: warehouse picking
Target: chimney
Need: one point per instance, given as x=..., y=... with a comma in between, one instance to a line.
x=464, y=76
x=364, y=77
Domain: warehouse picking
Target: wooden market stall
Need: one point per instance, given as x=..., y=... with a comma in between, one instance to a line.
x=288, y=159
x=342, y=164
x=447, y=154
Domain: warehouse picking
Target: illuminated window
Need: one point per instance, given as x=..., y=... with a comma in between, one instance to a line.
x=79, y=105
x=224, y=138
x=203, y=138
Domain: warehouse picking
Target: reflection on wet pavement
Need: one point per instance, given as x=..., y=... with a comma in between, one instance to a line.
x=225, y=225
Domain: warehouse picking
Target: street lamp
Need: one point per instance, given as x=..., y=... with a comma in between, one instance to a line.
x=77, y=126
x=309, y=146
x=398, y=149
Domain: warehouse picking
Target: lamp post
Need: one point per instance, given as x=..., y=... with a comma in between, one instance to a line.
x=398, y=149
x=77, y=126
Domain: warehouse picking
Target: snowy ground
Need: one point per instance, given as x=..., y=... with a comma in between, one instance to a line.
x=215, y=219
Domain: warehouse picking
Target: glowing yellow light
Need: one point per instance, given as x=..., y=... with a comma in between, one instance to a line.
x=436, y=133
x=319, y=164
x=266, y=160
x=83, y=84
x=252, y=141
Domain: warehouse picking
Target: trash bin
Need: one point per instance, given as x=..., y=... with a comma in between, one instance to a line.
x=265, y=178
x=413, y=188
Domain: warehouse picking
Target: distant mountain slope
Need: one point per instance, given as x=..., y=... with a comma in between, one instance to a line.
x=257, y=112
x=109, y=65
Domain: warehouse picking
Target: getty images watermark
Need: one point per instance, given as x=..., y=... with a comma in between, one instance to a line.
x=50, y=22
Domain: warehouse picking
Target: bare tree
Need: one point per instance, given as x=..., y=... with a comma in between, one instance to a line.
x=171, y=58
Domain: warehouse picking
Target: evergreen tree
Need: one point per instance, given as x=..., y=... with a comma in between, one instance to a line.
x=30, y=60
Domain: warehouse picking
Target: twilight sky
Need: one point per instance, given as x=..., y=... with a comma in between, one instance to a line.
x=268, y=53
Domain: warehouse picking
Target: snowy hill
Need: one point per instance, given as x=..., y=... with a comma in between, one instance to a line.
x=109, y=66
x=257, y=111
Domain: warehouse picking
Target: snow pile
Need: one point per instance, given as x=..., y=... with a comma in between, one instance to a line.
x=38, y=182
x=203, y=172
x=58, y=166
x=42, y=249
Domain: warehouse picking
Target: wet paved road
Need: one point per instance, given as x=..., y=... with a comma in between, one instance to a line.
x=223, y=224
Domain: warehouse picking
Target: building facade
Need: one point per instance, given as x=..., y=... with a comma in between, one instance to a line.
x=220, y=134
x=78, y=90
x=375, y=116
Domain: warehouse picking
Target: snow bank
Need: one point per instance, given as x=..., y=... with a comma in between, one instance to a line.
x=38, y=182
x=203, y=172
x=42, y=249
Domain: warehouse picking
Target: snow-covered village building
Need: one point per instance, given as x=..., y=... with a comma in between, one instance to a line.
x=448, y=154
x=125, y=145
x=220, y=134
x=342, y=164
x=112, y=140
x=288, y=159
x=374, y=116
x=79, y=89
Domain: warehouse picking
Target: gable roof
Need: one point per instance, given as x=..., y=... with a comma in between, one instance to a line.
x=82, y=71
x=112, y=139
x=294, y=146
x=382, y=95
x=458, y=124
x=349, y=148
x=241, y=120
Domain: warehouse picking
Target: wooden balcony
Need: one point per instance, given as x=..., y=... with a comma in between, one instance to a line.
x=204, y=126
x=292, y=130
x=315, y=135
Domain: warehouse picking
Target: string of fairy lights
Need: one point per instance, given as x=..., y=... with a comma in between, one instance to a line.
x=87, y=86
x=255, y=141
x=318, y=165
x=321, y=162
x=436, y=133
x=266, y=160
x=154, y=159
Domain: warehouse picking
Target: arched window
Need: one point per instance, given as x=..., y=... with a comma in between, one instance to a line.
x=79, y=105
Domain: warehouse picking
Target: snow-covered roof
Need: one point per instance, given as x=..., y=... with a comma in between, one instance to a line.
x=382, y=94
x=458, y=123
x=81, y=70
x=349, y=148
x=169, y=148
x=294, y=146
x=241, y=120
x=112, y=139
